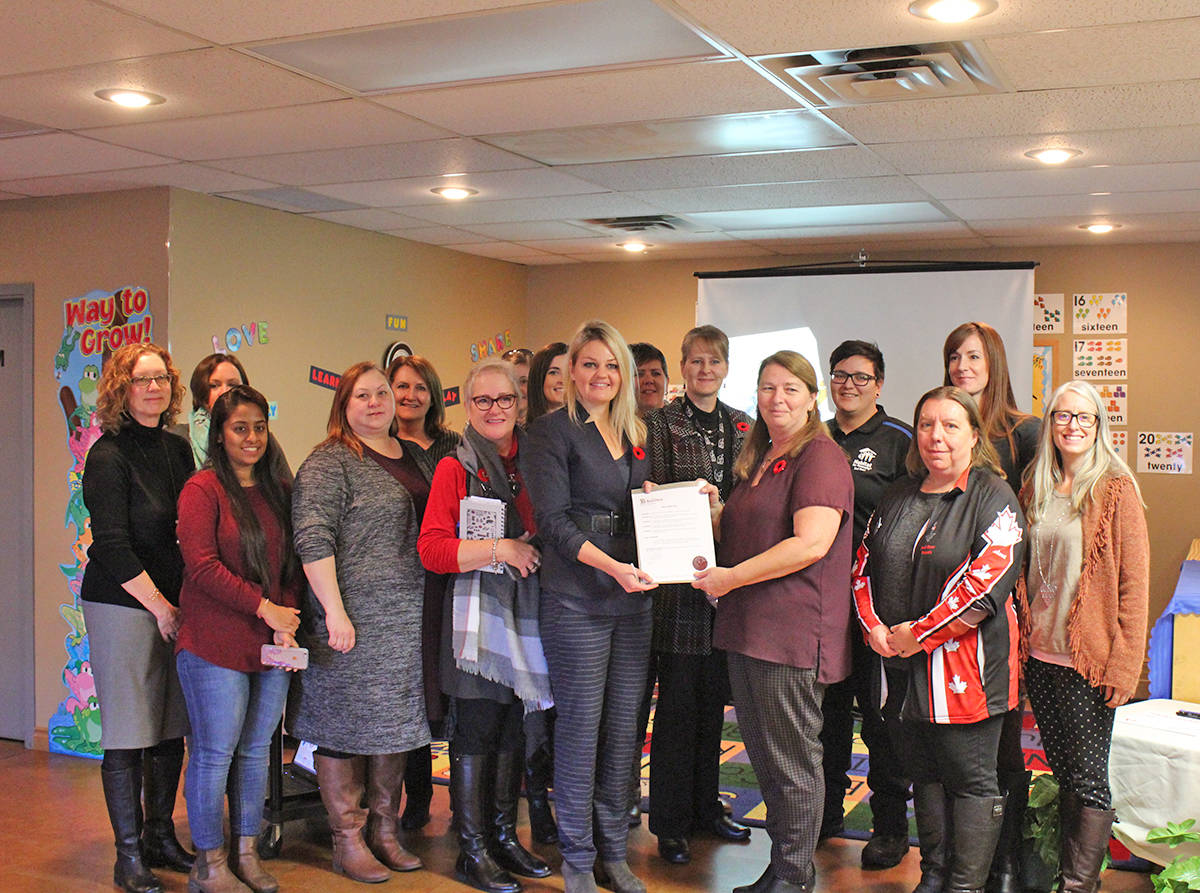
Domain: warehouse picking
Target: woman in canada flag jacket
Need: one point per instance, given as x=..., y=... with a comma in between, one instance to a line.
x=933, y=588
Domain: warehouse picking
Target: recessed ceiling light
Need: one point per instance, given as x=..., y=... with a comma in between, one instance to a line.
x=634, y=246
x=1099, y=228
x=952, y=10
x=132, y=99
x=454, y=193
x=1053, y=154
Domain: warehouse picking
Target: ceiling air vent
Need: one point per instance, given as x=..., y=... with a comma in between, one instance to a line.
x=643, y=223
x=888, y=74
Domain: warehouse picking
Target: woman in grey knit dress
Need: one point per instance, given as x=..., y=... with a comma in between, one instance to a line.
x=361, y=699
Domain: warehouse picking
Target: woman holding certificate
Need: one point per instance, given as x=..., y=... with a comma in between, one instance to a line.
x=696, y=437
x=782, y=590
x=581, y=466
x=493, y=669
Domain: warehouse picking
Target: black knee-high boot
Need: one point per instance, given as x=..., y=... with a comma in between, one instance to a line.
x=976, y=822
x=506, y=846
x=161, y=848
x=472, y=788
x=418, y=789
x=933, y=835
x=538, y=770
x=121, y=776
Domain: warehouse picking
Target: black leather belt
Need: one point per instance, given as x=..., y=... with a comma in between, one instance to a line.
x=612, y=523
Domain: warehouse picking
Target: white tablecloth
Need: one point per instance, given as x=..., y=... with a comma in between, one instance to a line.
x=1154, y=771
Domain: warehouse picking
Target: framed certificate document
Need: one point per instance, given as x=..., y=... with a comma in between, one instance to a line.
x=674, y=532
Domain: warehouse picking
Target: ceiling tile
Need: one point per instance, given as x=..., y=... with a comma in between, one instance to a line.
x=530, y=183
x=784, y=26
x=541, y=39
x=721, y=134
x=234, y=21
x=365, y=218
x=1111, y=54
x=1060, y=181
x=518, y=232
x=1182, y=221
x=189, y=176
x=1150, y=144
x=602, y=97
x=64, y=153
x=732, y=170
x=1083, y=205
x=1034, y=112
x=436, y=235
x=505, y=251
x=301, y=128
x=853, y=244
x=570, y=207
x=66, y=33
x=783, y=195
x=69, y=184
x=399, y=160
x=904, y=212
x=891, y=231
x=195, y=83
x=596, y=245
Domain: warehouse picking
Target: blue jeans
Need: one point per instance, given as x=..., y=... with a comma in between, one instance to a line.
x=232, y=714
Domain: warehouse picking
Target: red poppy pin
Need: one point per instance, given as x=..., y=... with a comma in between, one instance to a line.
x=743, y=426
x=639, y=453
x=780, y=466
x=483, y=475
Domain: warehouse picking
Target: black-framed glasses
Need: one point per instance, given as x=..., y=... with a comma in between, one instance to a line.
x=504, y=401
x=1085, y=419
x=517, y=354
x=143, y=381
x=861, y=379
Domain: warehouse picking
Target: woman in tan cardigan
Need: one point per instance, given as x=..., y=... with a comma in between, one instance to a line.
x=1087, y=585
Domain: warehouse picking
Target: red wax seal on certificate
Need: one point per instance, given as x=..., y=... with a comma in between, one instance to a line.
x=699, y=562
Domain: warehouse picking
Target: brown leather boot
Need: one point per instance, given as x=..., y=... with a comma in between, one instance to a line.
x=210, y=874
x=385, y=774
x=341, y=782
x=1084, y=846
x=244, y=862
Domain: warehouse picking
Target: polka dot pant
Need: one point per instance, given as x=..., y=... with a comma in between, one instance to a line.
x=1076, y=728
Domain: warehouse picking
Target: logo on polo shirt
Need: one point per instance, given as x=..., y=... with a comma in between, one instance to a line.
x=864, y=461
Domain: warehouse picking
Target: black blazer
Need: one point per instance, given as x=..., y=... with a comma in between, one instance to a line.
x=571, y=475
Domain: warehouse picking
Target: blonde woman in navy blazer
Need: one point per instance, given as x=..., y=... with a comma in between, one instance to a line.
x=581, y=465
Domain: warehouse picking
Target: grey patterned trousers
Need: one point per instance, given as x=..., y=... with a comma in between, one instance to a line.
x=779, y=712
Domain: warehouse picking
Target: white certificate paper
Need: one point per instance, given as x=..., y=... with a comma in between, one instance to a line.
x=674, y=532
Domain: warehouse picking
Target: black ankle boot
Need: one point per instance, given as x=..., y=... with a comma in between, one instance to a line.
x=471, y=787
x=506, y=846
x=123, y=797
x=418, y=789
x=161, y=848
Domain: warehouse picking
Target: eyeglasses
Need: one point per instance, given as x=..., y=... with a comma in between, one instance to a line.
x=1063, y=418
x=504, y=401
x=143, y=381
x=861, y=379
x=517, y=354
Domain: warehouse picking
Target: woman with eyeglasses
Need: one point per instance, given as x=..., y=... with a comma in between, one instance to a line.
x=581, y=465
x=975, y=361
x=421, y=427
x=131, y=483
x=361, y=700
x=492, y=664
x=1087, y=586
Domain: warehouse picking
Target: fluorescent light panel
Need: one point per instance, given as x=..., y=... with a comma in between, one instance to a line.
x=508, y=43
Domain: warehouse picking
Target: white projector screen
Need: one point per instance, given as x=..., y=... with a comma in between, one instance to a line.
x=908, y=314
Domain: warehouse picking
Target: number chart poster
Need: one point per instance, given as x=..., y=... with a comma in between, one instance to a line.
x=1120, y=443
x=1100, y=358
x=1048, y=314
x=1100, y=314
x=1115, y=395
x=1164, y=452
x=94, y=325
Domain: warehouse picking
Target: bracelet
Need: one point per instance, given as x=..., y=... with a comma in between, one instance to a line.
x=495, y=543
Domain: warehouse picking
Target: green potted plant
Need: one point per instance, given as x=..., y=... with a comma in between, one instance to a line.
x=1181, y=874
x=1043, y=835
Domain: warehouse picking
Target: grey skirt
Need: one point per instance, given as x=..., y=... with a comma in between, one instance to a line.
x=141, y=701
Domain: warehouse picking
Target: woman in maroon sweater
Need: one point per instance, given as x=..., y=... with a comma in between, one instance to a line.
x=241, y=590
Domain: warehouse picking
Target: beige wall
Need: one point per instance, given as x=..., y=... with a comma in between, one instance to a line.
x=67, y=247
x=324, y=291
x=655, y=301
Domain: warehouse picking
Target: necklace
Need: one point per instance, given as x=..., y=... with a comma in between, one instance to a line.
x=1046, y=589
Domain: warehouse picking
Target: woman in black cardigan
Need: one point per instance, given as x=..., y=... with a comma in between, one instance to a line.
x=581, y=466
